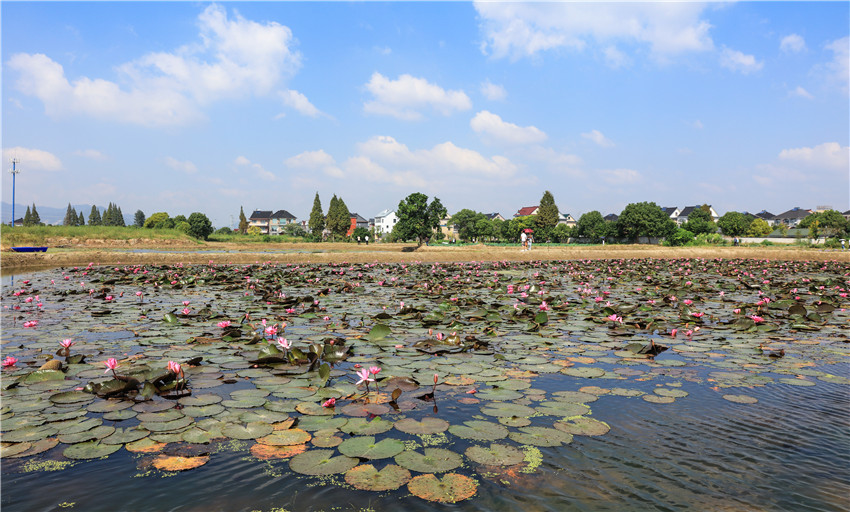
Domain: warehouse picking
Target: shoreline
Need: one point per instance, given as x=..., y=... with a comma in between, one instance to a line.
x=221, y=253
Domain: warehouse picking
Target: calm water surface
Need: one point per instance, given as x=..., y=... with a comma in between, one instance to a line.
x=788, y=452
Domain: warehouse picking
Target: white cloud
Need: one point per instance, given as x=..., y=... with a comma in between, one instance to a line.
x=799, y=91
x=32, y=159
x=91, y=154
x=792, y=44
x=177, y=165
x=492, y=127
x=738, y=61
x=697, y=124
x=599, y=139
x=829, y=155
x=519, y=29
x=405, y=97
x=313, y=161
x=621, y=176
x=615, y=58
x=260, y=171
x=384, y=159
x=299, y=102
x=839, y=67
x=234, y=57
x=493, y=92
x=556, y=161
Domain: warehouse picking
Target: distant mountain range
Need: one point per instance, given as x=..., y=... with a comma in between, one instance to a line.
x=51, y=215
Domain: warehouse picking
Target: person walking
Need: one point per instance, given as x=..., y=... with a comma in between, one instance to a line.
x=524, y=238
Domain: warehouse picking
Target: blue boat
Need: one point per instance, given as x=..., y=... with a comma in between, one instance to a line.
x=29, y=249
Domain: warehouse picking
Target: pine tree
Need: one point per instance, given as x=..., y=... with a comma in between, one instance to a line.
x=331, y=216
x=139, y=219
x=81, y=221
x=35, y=219
x=317, y=218
x=243, y=222
x=119, y=217
x=70, y=217
x=28, y=217
x=94, y=216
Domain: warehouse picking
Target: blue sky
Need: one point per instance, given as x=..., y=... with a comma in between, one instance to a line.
x=183, y=106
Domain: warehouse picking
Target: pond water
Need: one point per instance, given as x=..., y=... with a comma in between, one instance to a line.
x=543, y=402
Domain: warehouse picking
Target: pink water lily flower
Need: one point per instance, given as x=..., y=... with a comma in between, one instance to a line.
x=365, y=376
x=9, y=362
x=283, y=342
x=174, y=368
x=31, y=323
x=375, y=370
x=330, y=402
x=615, y=318
x=111, y=364
x=67, y=343
x=225, y=324
x=186, y=311
x=756, y=319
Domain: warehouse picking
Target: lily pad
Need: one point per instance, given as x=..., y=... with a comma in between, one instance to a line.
x=434, y=460
x=252, y=430
x=541, y=436
x=271, y=452
x=367, y=478
x=366, y=427
x=176, y=463
x=583, y=425
x=452, y=488
x=321, y=462
x=495, y=455
x=90, y=450
x=365, y=447
x=479, y=430
x=428, y=425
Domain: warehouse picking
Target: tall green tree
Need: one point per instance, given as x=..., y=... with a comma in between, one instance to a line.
x=645, y=219
x=417, y=219
x=338, y=218
x=700, y=221
x=28, y=217
x=81, y=221
x=317, y=218
x=547, y=216
x=734, y=223
x=119, y=217
x=139, y=219
x=94, y=217
x=35, y=220
x=70, y=217
x=465, y=221
x=829, y=223
x=243, y=221
x=591, y=225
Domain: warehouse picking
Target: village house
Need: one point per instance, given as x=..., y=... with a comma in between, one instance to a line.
x=683, y=215
x=270, y=223
x=384, y=222
x=793, y=217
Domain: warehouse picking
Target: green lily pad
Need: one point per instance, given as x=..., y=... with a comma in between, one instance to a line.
x=541, y=436
x=27, y=434
x=366, y=427
x=321, y=462
x=289, y=437
x=583, y=426
x=434, y=460
x=740, y=399
x=495, y=455
x=252, y=430
x=365, y=447
x=479, y=430
x=96, y=433
x=125, y=435
x=508, y=410
x=90, y=450
x=71, y=397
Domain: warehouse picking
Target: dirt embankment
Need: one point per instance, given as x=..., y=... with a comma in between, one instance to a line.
x=151, y=252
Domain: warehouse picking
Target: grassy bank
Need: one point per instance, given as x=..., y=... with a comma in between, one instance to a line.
x=53, y=236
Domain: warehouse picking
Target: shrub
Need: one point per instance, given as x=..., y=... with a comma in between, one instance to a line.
x=710, y=239
x=681, y=237
x=182, y=226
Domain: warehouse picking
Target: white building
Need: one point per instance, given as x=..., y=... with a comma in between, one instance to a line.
x=384, y=222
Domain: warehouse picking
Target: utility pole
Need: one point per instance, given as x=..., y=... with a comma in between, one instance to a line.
x=14, y=170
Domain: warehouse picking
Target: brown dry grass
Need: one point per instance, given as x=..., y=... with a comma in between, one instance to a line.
x=220, y=253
